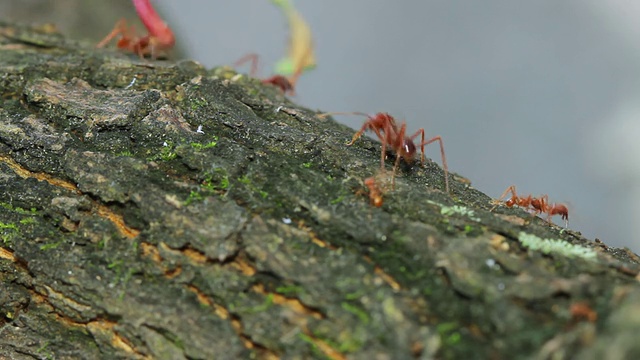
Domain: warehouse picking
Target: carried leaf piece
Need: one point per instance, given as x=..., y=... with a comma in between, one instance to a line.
x=301, y=54
x=160, y=38
x=378, y=185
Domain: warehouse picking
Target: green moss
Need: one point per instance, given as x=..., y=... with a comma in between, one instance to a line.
x=18, y=209
x=449, y=333
x=125, y=153
x=306, y=338
x=213, y=183
x=361, y=314
x=452, y=339
x=337, y=200
x=555, y=246
x=210, y=144
x=50, y=246
x=196, y=103
x=193, y=196
x=268, y=302
x=7, y=232
x=10, y=226
x=27, y=221
x=166, y=153
x=248, y=183
x=115, y=265
x=355, y=295
x=289, y=290
x=306, y=165
x=42, y=350
x=447, y=327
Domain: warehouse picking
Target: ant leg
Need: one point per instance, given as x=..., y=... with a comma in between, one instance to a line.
x=420, y=131
x=144, y=44
x=393, y=174
x=119, y=29
x=369, y=124
x=511, y=189
x=357, y=135
x=541, y=205
x=444, y=159
x=253, y=57
x=396, y=139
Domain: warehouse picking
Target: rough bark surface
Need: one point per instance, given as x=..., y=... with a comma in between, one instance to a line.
x=198, y=214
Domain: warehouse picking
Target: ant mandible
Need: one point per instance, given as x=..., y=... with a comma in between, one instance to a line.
x=394, y=136
x=538, y=205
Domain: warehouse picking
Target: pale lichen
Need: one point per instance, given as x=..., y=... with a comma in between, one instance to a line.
x=555, y=246
x=460, y=210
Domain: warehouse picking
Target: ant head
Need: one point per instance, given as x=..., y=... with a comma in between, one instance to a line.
x=280, y=81
x=560, y=209
x=408, y=150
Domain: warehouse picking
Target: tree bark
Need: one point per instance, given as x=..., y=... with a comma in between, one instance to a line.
x=157, y=209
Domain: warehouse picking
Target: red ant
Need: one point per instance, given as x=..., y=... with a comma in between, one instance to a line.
x=159, y=38
x=287, y=85
x=582, y=311
x=538, y=205
x=393, y=136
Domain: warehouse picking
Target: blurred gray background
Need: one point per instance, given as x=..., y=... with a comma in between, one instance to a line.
x=543, y=94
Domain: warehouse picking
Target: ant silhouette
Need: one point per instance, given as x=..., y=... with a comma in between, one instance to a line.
x=539, y=205
x=393, y=136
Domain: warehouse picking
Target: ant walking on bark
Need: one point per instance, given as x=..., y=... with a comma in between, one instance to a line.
x=539, y=205
x=394, y=136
